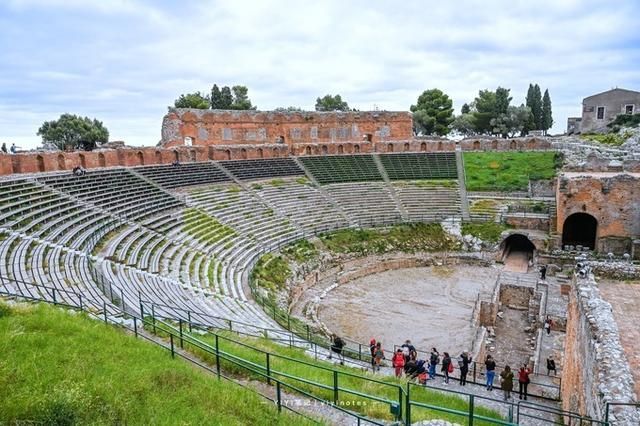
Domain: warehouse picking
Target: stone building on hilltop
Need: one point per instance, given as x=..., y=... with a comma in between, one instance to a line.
x=601, y=109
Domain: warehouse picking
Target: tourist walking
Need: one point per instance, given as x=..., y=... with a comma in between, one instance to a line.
x=372, y=349
x=4, y=147
x=447, y=367
x=379, y=356
x=398, y=362
x=551, y=365
x=523, y=381
x=506, y=382
x=547, y=325
x=409, y=351
x=543, y=272
x=13, y=148
x=336, y=346
x=434, y=360
x=463, y=363
x=490, y=367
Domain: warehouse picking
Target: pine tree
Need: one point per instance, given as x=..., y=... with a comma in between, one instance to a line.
x=502, y=101
x=466, y=109
x=547, y=116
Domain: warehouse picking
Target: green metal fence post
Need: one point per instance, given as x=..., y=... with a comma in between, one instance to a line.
x=104, y=311
x=407, y=420
x=471, y=403
x=510, y=414
x=153, y=317
x=172, y=349
x=135, y=326
x=81, y=308
x=606, y=413
x=335, y=387
x=189, y=318
x=474, y=371
x=308, y=333
x=400, y=398
x=217, y=357
x=268, y=368
x=230, y=325
x=278, y=396
x=288, y=322
x=181, y=339
x=54, y=297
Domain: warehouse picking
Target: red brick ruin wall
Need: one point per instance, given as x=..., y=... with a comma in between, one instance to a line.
x=610, y=199
x=35, y=162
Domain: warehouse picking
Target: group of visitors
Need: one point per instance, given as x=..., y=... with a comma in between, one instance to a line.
x=405, y=363
x=13, y=148
x=78, y=171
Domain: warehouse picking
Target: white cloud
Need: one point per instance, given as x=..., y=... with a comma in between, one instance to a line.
x=125, y=61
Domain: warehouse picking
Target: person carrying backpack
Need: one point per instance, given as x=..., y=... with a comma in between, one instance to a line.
x=408, y=350
x=372, y=349
x=434, y=360
x=551, y=366
x=463, y=363
x=447, y=366
x=523, y=381
x=490, y=367
x=398, y=362
x=336, y=346
x=379, y=356
x=506, y=381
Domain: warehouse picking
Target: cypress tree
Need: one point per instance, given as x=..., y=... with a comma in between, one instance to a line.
x=547, y=116
x=537, y=107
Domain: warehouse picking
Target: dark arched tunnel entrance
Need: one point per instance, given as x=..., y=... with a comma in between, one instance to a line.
x=580, y=229
x=517, y=252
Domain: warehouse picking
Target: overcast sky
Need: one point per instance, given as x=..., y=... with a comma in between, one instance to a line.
x=124, y=62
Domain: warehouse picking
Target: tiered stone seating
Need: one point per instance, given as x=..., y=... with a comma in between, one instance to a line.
x=302, y=203
x=428, y=201
x=33, y=209
x=414, y=166
x=186, y=174
x=367, y=203
x=342, y=168
x=262, y=168
x=116, y=190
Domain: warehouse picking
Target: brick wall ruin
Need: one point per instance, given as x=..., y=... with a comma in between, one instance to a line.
x=611, y=198
x=48, y=161
x=595, y=369
x=220, y=127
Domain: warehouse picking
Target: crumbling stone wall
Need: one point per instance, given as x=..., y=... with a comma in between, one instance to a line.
x=612, y=198
x=595, y=369
x=215, y=127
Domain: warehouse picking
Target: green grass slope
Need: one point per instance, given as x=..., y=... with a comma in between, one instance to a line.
x=64, y=368
x=508, y=171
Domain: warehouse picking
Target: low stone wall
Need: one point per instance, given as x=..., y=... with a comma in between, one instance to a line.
x=527, y=221
x=595, y=369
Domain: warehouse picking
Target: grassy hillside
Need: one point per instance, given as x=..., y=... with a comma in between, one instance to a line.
x=508, y=171
x=63, y=368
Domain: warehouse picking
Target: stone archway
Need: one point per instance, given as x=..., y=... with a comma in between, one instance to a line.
x=517, y=252
x=40, y=162
x=580, y=229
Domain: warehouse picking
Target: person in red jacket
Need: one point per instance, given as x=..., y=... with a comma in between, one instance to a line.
x=398, y=362
x=523, y=380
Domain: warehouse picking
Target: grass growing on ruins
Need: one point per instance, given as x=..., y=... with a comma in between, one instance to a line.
x=508, y=171
x=271, y=271
x=62, y=368
x=300, y=251
x=612, y=139
x=406, y=238
x=487, y=231
x=251, y=352
x=204, y=227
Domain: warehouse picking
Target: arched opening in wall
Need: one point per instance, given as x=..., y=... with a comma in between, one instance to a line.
x=243, y=154
x=228, y=154
x=83, y=161
x=61, y=162
x=440, y=146
x=340, y=149
x=158, y=157
x=407, y=147
x=476, y=145
x=176, y=156
x=390, y=147
x=193, y=155
x=101, y=161
x=494, y=145
x=40, y=162
x=325, y=150
x=517, y=252
x=356, y=149
x=512, y=145
x=368, y=137
x=260, y=153
x=580, y=229
x=531, y=144
x=307, y=150
x=140, y=158
x=276, y=153
x=423, y=147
